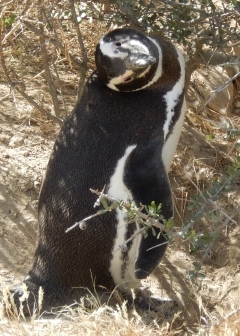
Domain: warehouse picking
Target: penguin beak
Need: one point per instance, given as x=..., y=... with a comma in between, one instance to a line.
x=139, y=61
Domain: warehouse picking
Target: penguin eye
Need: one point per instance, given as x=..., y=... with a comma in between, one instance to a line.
x=118, y=44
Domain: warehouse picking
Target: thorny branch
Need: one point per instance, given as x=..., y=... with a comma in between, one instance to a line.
x=149, y=221
x=139, y=214
x=211, y=200
x=225, y=224
x=201, y=211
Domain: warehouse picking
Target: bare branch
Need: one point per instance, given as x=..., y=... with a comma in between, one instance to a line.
x=129, y=12
x=54, y=40
x=193, y=62
x=20, y=87
x=9, y=2
x=1, y=52
x=83, y=68
x=51, y=85
x=221, y=227
x=31, y=27
x=84, y=220
x=38, y=107
x=222, y=87
x=59, y=45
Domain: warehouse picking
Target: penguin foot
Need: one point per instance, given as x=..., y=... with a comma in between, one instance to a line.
x=20, y=302
x=145, y=300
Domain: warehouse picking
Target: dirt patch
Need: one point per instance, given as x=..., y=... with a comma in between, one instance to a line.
x=24, y=152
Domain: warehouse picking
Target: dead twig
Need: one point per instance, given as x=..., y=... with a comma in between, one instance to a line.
x=82, y=221
x=225, y=224
x=38, y=107
x=20, y=86
x=83, y=68
x=54, y=41
x=27, y=8
x=51, y=85
x=1, y=51
x=222, y=87
x=193, y=62
x=7, y=3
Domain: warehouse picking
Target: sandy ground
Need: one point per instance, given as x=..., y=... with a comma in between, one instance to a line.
x=24, y=152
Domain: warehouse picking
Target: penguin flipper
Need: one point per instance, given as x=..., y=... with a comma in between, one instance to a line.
x=147, y=179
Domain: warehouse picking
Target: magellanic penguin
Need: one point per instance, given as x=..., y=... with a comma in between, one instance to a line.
x=122, y=134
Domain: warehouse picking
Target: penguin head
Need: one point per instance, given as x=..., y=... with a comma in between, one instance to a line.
x=126, y=59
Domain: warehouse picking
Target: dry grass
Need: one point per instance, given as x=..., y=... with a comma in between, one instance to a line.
x=101, y=319
x=106, y=321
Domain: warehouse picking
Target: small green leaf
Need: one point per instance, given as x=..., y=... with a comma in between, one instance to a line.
x=197, y=266
x=209, y=137
x=201, y=275
x=121, y=204
x=145, y=234
x=191, y=234
x=151, y=210
x=169, y=223
x=101, y=212
x=113, y=206
x=104, y=203
x=169, y=236
x=153, y=232
x=9, y=20
x=237, y=145
x=153, y=204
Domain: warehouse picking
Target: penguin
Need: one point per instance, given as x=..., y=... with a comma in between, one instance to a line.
x=122, y=134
